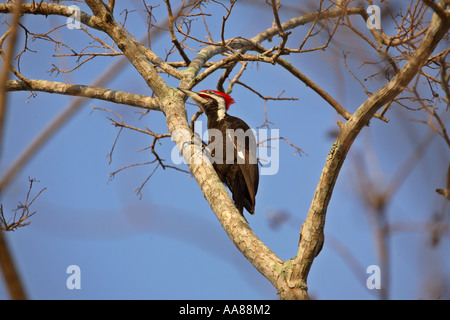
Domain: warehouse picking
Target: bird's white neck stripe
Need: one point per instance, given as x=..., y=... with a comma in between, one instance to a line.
x=221, y=109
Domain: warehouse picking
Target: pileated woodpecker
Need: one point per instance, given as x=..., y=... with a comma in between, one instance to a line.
x=237, y=168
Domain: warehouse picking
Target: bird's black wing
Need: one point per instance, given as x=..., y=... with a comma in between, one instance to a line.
x=244, y=142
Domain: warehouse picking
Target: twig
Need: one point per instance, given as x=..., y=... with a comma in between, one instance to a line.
x=21, y=220
x=298, y=150
x=172, y=34
x=283, y=35
x=195, y=117
x=225, y=75
x=236, y=77
x=224, y=20
x=266, y=97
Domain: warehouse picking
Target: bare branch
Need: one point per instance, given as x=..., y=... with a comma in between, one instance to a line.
x=283, y=35
x=48, y=9
x=311, y=238
x=250, y=44
x=121, y=97
x=172, y=33
x=21, y=219
x=397, y=59
x=437, y=8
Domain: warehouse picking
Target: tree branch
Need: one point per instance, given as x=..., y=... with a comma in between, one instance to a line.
x=289, y=277
x=79, y=90
x=48, y=9
x=311, y=235
x=251, y=44
x=213, y=189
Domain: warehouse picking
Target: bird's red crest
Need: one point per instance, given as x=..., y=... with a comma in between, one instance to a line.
x=228, y=100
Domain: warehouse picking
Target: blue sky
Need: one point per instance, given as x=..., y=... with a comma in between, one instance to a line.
x=169, y=244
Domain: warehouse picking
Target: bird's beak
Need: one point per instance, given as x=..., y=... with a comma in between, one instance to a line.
x=194, y=96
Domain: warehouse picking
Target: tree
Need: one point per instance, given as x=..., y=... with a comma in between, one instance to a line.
x=393, y=73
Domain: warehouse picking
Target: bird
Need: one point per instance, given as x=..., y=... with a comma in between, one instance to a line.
x=237, y=168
